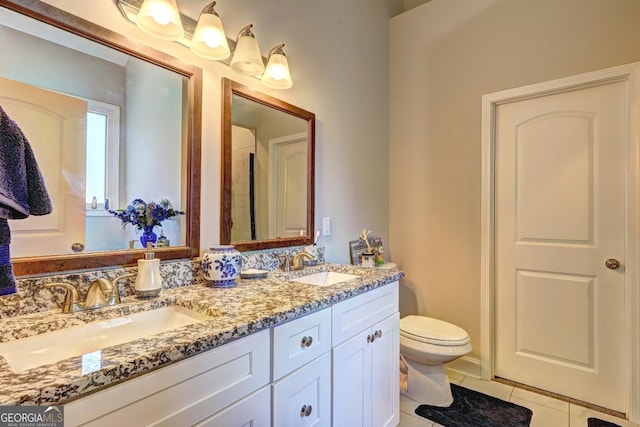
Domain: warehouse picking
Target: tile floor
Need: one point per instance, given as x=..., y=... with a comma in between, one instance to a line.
x=547, y=412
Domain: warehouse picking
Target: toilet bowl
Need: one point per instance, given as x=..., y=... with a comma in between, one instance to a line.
x=426, y=344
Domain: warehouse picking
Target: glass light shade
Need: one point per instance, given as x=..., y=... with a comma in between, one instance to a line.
x=247, y=59
x=277, y=75
x=161, y=19
x=209, y=39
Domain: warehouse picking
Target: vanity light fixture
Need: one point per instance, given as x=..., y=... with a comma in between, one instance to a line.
x=277, y=75
x=209, y=40
x=161, y=19
x=246, y=58
x=206, y=38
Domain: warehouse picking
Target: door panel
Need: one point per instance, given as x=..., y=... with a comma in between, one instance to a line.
x=571, y=341
x=560, y=213
x=55, y=126
x=554, y=187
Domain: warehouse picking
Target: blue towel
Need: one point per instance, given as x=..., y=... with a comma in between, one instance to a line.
x=22, y=188
x=22, y=191
x=7, y=279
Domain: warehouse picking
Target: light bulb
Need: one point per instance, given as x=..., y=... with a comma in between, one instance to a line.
x=161, y=14
x=278, y=72
x=213, y=38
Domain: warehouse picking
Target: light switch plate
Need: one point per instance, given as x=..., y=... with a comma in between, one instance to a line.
x=326, y=226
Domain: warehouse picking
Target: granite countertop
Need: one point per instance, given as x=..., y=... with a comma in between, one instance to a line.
x=250, y=306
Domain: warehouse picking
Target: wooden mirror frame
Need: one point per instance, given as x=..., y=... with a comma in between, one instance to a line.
x=230, y=88
x=93, y=260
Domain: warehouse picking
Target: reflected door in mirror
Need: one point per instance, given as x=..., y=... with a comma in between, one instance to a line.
x=288, y=185
x=54, y=124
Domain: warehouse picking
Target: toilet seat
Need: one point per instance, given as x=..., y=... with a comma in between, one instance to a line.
x=432, y=331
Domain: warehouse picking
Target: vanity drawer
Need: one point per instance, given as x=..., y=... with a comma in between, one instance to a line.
x=300, y=341
x=303, y=398
x=183, y=393
x=254, y=411
x=360, y=312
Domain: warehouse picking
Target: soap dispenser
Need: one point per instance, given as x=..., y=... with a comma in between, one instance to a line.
x=148, y=282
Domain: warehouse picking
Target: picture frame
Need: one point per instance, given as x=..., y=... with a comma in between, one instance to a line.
x=357, y=247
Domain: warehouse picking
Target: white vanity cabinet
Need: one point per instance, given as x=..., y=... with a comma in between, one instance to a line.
x=301, y=388
x=334, y=367
x=230, y=381
x=365, y=333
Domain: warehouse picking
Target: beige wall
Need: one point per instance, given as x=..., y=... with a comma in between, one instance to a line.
x=339, y=57
x=444, y=56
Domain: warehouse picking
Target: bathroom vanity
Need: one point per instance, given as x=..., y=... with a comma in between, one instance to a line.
x=271, y=351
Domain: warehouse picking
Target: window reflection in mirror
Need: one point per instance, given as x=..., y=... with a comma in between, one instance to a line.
x=103, y=155
x=103, y=125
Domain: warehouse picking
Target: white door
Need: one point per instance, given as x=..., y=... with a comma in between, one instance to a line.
x=55, y=126
x=559, y=215
x=288, y=178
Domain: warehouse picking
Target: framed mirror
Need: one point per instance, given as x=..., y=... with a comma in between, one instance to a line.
x=268, y=156
x=145, y=145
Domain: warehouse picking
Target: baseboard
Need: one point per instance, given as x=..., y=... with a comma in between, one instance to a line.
x=467, y=366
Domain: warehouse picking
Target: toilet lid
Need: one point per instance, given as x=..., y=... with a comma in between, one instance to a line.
x=432, y=331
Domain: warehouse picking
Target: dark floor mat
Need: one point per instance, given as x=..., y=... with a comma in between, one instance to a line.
x=597, y=422
x=473, y=409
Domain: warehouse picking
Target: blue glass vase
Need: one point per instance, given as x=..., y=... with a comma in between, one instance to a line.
x=148, y=236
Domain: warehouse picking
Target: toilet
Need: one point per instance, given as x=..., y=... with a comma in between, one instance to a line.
x=426, y=344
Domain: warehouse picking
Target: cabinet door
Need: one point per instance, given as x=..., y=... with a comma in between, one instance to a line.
x=365, y=377
x=254, y=411
x=352, y=382
x=385, y=354
x=303, y=398
x=357, y=314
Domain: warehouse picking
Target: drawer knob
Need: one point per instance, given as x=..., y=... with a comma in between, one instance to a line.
x=378, y=333
x=306, y=342
x=305, y=411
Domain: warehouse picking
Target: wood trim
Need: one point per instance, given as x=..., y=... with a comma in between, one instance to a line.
x=58, y=18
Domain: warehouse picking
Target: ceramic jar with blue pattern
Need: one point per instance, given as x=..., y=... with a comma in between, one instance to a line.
x=221, y=266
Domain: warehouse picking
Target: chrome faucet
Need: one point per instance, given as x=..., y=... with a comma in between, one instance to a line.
x=298, y=263
x=101, y=293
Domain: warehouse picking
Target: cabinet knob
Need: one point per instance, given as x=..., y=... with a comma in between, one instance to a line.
x=306, y=342
x=372, y=337
x=305, y=411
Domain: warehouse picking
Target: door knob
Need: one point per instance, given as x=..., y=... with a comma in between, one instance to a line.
x=612, y=264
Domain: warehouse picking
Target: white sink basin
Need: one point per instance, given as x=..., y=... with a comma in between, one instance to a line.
x=43, y=349
x=325, y=278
